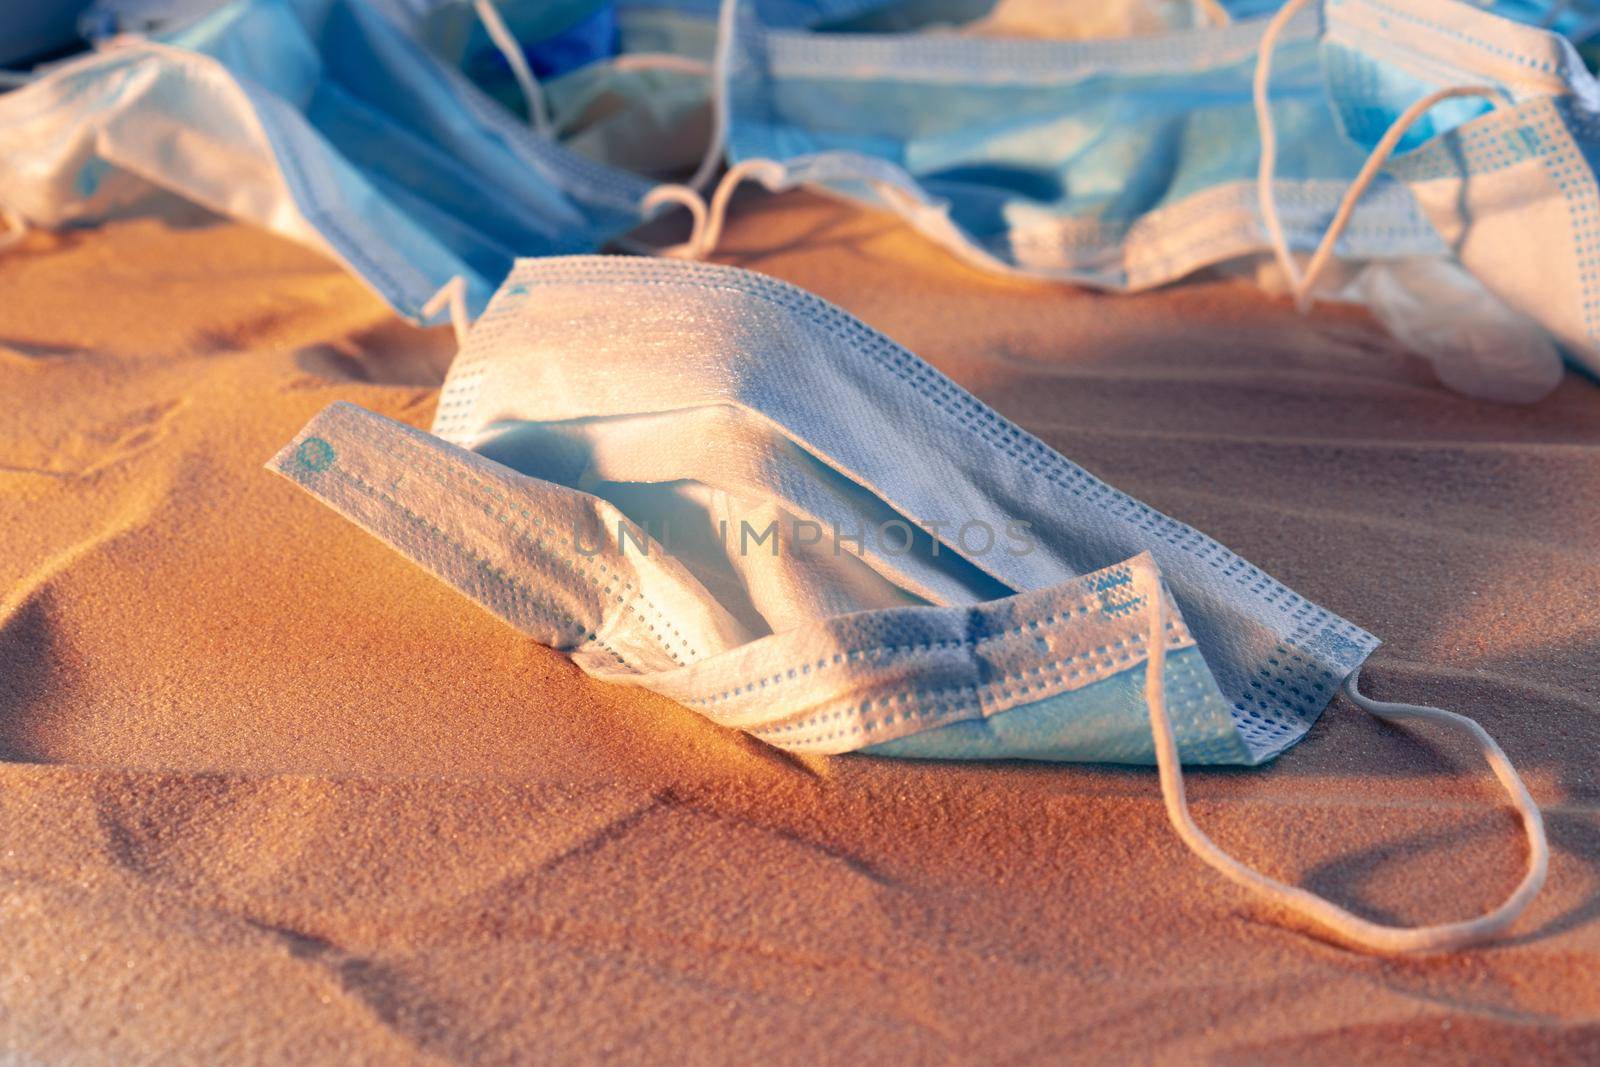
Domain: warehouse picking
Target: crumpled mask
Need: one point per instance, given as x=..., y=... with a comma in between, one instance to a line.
x=322, y=121
x=692, y=402
x=716, y=486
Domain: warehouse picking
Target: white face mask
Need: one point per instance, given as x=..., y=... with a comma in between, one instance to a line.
x=854, y=553
x=1513, y=190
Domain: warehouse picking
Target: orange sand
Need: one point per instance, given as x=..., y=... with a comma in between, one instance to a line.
x=270, y=793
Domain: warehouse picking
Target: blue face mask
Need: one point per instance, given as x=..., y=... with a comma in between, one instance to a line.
x=740, y=497
x=1561, y=16
x=506, y=46
x=1129, y=163
x=1122, y=164
x=323, y=121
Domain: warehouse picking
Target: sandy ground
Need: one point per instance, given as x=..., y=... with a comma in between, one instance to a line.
x=270, y=793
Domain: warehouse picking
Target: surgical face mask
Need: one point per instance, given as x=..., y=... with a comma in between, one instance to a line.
x=322, y=121
x=1122, y=163
x=1575, y=19
x=1119, y=164
x=1438, y=310
x=645, y=109
x=1495, y=127
x=718, y=487
x=508, y=48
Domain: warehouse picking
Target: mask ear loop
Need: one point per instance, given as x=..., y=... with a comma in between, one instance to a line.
x=452, y=294
x=708, y=222
x=721, y=59
x=1373, y=937
x=506, y=43
x=1300, y=285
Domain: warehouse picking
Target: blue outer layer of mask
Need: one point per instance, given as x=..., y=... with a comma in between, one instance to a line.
x=790, y=14
x=1118, y=163
x=322, y=120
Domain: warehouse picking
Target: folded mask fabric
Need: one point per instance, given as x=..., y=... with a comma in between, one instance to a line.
x=652, y=466
x=1129, y=163
x=1120, y=163
x=648, y=116
x=1506, y=174
x=1563, y=16
x=1477, y=345
x=720, y=402
x=321, y=120
x=501, y=44
x=107, y=18
x=1437, y=310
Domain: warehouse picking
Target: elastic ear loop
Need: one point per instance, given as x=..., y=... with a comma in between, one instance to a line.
x=708, y=222
x=452, y=294
x=721, y=58
x=505, y=43
x=1374, y=937
x=1300, y=285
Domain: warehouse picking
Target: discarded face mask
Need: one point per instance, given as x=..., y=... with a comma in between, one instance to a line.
x=1477, y=345
x=1119, y=163
x=508, y=48
x=1499, y=123
x=320, y=120
x=1126, y=164
x=1438, y=310
x=735, y=494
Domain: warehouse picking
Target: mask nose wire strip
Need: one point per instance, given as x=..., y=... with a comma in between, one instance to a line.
x=1300, y=285
x=1373, y=937
x=16, y=228
x=452, y=294
x=506, y=43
